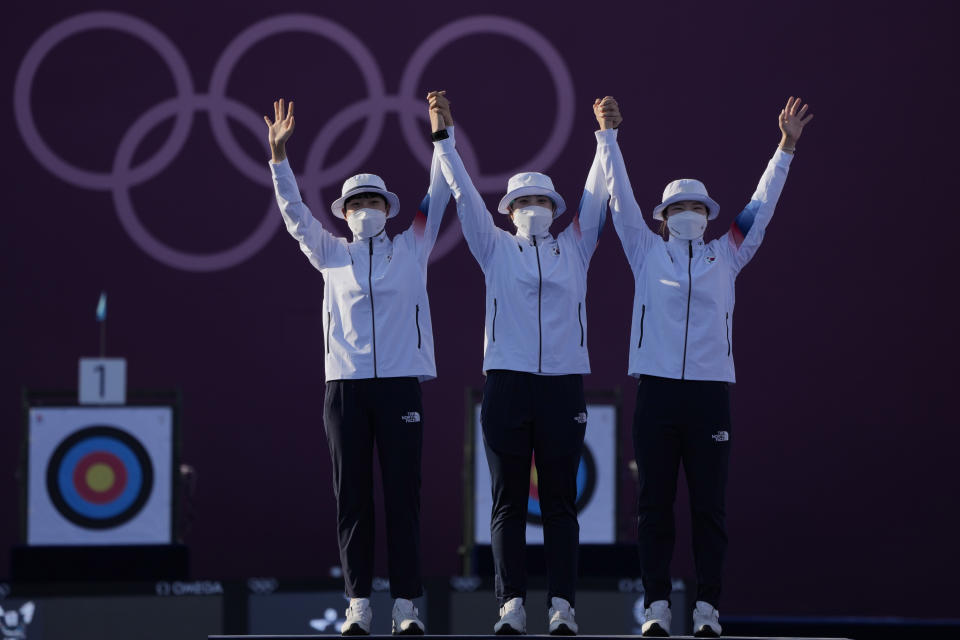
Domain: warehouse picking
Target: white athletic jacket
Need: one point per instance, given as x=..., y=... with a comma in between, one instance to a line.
x=684, y=290
x=536, y=315
x=376, y=316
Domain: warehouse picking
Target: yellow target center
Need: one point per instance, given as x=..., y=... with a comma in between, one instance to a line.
x=100, y=477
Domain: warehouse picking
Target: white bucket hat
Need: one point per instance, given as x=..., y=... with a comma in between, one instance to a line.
x=365, y=183
x=529, y=184
x=686, y=189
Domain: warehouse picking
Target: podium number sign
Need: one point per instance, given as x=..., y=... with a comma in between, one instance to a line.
x=103, y=380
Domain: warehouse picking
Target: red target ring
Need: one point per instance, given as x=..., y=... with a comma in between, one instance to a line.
x=100, y=477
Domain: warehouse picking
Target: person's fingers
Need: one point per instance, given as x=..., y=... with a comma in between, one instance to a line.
x=276, y=111
x=786, y=109
x=290, y=111
x=796, y=103
x=282, y=108
x=803, y=110
x=804, y=122
x=267, y=120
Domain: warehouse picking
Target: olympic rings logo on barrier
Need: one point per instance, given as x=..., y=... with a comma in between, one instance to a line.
x=317, y=175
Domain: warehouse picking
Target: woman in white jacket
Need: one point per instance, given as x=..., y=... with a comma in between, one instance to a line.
x=535, y=355
x=681, y=349
x=378, y=348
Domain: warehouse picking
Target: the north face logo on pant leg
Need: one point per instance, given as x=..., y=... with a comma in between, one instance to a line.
x=721, y=436
x=411, y=416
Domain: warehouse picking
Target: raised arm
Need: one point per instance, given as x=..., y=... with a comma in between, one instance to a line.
x=475, y=221
x=635, y=235
x=319, y=245
x=746, y=232
x=426, y=222
x=591, y=213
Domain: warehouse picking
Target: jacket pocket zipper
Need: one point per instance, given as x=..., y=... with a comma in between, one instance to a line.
x=580, y=320
x=328, y=331
x=643, y=312
x=727, y=320
x=494, y=319
x=418, y=326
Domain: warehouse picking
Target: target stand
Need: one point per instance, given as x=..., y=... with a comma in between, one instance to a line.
x=99, y=492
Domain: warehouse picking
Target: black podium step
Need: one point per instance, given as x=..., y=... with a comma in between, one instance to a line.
x=428, y=637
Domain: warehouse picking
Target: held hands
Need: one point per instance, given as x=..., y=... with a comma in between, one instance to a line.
x=440, y=116
x=280, y=130
x=607, y=112
x=792, y=122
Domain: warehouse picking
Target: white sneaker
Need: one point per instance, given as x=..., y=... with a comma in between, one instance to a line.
x=406, y=619
x=513, y=619
x=359, y=615
x=561, y=619
x=656, y=620
x=706, y=621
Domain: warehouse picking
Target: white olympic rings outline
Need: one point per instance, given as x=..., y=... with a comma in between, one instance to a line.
x=375, y=107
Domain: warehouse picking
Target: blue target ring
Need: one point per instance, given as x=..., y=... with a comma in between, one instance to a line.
x=107, y=442
x=586, y=484
x=83, y=506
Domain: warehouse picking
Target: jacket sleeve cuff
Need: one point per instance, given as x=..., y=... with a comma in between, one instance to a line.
x=281, y=168
x=781, y=158
x=449, y=143
x=606, y=136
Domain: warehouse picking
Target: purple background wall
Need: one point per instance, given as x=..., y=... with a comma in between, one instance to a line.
x=842, y=498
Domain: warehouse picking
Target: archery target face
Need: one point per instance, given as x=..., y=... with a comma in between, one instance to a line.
x=100, y=475
x=586, y=483
x=596, y=483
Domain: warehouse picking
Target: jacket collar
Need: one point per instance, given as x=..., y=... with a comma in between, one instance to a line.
x=683, y=243
x=543, y=238
x=382, y=243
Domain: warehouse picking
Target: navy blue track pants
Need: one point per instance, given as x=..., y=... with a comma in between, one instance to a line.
x=689, y=421
x=527, y=415
x=357, y=414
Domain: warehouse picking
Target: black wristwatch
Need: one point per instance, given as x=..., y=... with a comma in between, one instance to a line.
x=439, y=135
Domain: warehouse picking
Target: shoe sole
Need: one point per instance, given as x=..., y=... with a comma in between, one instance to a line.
x=412, y=630
x=563, y=630
x=706, y=633
x=655, y=631
x=507, y=630
x=354, y=630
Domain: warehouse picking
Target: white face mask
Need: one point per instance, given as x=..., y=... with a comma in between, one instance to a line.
x=687, y=225
x=366, y=223
x=532, y=221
